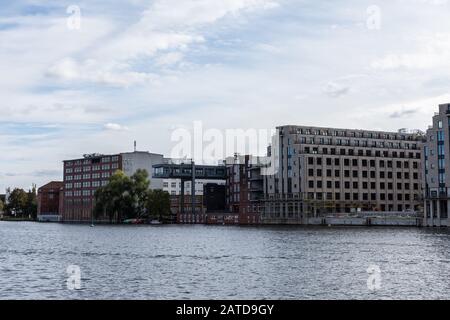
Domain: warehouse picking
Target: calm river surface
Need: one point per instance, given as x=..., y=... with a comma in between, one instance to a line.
x=221, y=262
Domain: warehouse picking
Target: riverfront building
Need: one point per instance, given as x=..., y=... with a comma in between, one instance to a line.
x=173, y=186
x=437, y=166
x=244, y=188
x=323, y=171
x=50, y=199
x=83, y=176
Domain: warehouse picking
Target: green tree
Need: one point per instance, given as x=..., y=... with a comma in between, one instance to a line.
x=31, y=205
x=130, y=197
x=116, y=199
x=140, y=191
x=158, y=205
x=18, y=201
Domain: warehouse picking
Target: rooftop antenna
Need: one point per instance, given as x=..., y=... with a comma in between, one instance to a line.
x=134, y=145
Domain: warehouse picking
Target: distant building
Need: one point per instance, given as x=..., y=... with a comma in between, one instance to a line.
x=187, y=217
x=322, y=171
x=83, y=176
x=50, y=201
x=49, y=198
x=214, y=197
x=173, y=186
x=437, y=169
x=244, y=188
x=7, y=195
x=223, y=218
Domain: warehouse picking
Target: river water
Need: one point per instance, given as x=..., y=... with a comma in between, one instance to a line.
x=222, y=262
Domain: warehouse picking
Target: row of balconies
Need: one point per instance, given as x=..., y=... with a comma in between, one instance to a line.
x=355, y=134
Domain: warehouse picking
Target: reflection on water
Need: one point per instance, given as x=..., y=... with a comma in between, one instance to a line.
x=215, y=262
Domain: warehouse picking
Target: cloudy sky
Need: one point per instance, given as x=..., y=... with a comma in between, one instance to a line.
x=137, y=70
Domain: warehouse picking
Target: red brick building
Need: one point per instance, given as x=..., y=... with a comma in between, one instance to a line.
x=50, y=199
x=223, y=218
x=187, y=217
x=244, y=188
x=81, y=178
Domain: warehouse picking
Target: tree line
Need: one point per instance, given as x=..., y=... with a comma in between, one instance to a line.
x=131, y=198
x=21, y=203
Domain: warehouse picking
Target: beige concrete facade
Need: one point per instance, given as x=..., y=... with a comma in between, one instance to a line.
x=324, y=171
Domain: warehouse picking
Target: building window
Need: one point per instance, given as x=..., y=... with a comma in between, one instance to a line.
x=106, y=174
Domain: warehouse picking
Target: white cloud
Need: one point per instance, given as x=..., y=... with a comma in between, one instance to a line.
x=197, y=12
x=115, y=127
x=431, y=52
x=160, y=28
x=335, y=90
x=169, y=58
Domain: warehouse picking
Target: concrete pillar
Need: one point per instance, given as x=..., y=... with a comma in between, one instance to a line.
x=193, y=191
x=438, y=205
x=448, y=213
x=431, y=219
x=182, y=197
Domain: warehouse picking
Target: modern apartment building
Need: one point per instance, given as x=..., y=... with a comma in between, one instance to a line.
x=83, y=176
x=321, y=171
x=436, y=182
